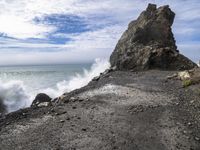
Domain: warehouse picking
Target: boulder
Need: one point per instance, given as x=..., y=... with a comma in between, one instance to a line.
x=184, y=75
x=148, y=43
x=40, y=100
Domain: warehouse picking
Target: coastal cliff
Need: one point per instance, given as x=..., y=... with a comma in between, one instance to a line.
x=134, y=105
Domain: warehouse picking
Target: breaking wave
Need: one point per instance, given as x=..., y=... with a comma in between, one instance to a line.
x=15, y=96
x=79, y=80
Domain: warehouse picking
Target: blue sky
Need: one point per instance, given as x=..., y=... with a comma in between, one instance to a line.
x=77, y=31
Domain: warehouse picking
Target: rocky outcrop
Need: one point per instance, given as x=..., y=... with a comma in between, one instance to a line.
x=148, y=43
x=2, y=107
x=40, y=100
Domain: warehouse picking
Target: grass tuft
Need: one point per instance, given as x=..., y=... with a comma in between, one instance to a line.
x=186, y=83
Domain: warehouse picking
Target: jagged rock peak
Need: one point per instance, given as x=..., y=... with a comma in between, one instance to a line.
x=149, y=43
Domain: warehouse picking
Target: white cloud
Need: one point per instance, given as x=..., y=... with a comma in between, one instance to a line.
x=83, y=48
x=16, y=20
x=17, y=16
x=104, y=38
x=17, y=27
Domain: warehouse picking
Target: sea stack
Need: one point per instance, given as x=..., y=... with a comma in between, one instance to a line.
x=149, y=43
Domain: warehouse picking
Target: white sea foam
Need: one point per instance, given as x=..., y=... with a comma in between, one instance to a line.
x=79, y=80
x=15, y=95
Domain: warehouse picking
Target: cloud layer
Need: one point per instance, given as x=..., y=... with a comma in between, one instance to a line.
x=74, y=31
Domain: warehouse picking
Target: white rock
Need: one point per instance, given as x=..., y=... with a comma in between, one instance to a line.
x=44, y=104
x=183, y=75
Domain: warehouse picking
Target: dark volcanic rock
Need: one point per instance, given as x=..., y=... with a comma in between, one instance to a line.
x=2, y=107
x=148, y=43
x=41, y=98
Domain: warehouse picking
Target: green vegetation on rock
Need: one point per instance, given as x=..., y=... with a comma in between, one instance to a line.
x=186, y=83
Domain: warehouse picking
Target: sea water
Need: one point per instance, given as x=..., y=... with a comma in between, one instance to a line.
x=20, y=84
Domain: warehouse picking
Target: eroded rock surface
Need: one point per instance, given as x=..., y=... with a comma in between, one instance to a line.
x=40, y=100
x=148, y=43
x=2, y=107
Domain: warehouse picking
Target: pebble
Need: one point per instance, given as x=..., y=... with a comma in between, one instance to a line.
x=64, y=112
x=96, y=78
x=112, y=113
x=80, y=100
x=66, y=101
x=187, y=137
x=61, y=121
x=74, y=107
x=93, y=107
x=24, y=114
x=73, y=99
x=177, y=104
x=141, y=110
x=84, y=129
x=191, y=102
x=197, y=138
x=189, y=123
x=52, y=110
x=185, y=132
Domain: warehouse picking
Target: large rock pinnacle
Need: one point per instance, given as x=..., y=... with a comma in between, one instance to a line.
x=148, y=43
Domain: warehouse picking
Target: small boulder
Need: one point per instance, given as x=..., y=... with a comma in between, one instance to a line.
x=73, y=99
x=96, y=78
x=184, y=75
x=41, y=100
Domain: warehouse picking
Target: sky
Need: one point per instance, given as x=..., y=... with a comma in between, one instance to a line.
x=78, y=31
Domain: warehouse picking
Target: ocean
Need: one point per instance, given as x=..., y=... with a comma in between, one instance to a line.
x=20, y=84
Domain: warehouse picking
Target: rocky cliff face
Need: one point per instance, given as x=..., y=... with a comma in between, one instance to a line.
x=148, y=43
x=2, y=107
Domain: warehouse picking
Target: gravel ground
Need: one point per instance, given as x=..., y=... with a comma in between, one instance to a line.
x=122, y=110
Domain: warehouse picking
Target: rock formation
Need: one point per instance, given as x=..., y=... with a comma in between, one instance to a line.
x=41, y=99
x=148, y=43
